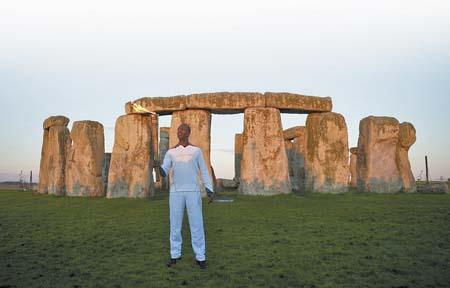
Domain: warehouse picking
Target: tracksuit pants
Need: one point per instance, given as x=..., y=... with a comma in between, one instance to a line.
x=193, y=203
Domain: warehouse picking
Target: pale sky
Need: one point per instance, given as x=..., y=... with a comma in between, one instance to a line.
x=85, y=59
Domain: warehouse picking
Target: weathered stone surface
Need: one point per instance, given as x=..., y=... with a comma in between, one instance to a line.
x=294, y=132
x=130, y=171
x=53, y=160
x=327, y=167
x=105, y=170
x=237, y=156
x=225, y=102
x=433, y=188
x=407, y=137
x=353, y=170
x=229, y=184
x=377, y=167
x=295, y=103
x=264, y=164
x=200, y=123
x=226, y=185
x=85, y=159
x=160, y=105
x=56, y=121
x=296, y=152
x=289, y=146
x=234, y=102
x=163, y=184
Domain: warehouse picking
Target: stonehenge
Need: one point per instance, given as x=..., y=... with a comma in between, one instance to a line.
x=326, y=162
x=295, y=142
x=264, y=163
x=407, y=137
x=163, y=184
x=85, y=160
x=377, y=148
x=105, y=170
x=353, y=168
x=55, y=144
x=237, y=156
x=130, y=170
x=383, y=165
x=234, y=102
x=269, y=160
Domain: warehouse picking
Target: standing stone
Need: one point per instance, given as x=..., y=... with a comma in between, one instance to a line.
x=327, y=165
x=55, y=121
x=53, y=156
x=163, y=184
x=295, y=138
x=289, y=146
x=85, y=160
x=406, y=138
x=200, y=123
x=353, y=170
x=264, y=164
x=377, y=167
x=237, y=156
x=130, y=171
x=105, y=170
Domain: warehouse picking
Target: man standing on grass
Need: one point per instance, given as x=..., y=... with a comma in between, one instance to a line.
x=185, y=160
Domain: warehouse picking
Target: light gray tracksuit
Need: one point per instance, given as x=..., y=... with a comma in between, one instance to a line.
x=185, y=163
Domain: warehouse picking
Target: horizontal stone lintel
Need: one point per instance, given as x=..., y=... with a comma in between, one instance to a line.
x=234, y=102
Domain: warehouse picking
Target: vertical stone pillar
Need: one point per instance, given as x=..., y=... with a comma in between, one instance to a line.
x=105, y=170
x=407, y=137
x=327, y=166
x=163, y=184
x=130, y=171
x=377, y=167
x=264, y=164
x=237, y=156
x=290, y=153
x=53, y=156
x=295, y=138
x=85, y=159
x=353, y=170
x=200, y=123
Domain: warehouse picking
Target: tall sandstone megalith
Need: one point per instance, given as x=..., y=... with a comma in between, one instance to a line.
x=130, y=170
x=264, y=164
x=105, y=170
x=55, y=143
x=237, y=156
x=327, y=165
x=200, y=123
x=377, y=167
x=353, y=169
x=407, y=137
x=163, y=184
x=295, y=141
x=85, y=160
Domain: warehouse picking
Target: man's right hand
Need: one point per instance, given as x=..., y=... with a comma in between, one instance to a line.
x=161, y=171
x=210, y=195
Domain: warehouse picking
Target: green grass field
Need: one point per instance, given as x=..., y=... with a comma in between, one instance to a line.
x=350, y=240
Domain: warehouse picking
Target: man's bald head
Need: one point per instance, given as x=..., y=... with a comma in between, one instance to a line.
x=183, y=132
x=185, y=126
